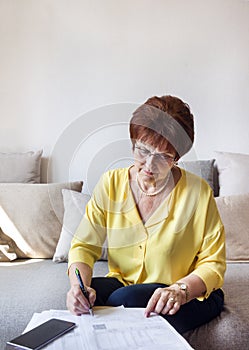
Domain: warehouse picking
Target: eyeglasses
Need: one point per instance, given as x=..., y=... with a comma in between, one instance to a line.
x=144, y=153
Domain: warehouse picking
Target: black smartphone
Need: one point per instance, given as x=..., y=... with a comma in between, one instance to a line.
x=40, y=336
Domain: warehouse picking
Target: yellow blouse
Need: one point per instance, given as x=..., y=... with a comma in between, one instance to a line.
x=184, y=235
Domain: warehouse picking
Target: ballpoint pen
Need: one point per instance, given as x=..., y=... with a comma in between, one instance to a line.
x=82, y=287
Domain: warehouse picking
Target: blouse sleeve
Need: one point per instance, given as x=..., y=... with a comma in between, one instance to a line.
x=88, y=239
x=210, y=262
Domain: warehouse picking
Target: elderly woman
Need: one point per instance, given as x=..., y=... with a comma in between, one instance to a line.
x=166, y=249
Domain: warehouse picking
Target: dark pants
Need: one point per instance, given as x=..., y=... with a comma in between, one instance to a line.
x=111, y=292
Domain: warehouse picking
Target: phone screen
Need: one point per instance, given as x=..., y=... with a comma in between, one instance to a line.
x=39, y=336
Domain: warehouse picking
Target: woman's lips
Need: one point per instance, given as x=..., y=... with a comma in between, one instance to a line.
x=148, y=173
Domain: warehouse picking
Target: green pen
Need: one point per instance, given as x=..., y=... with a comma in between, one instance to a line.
x=82, y=287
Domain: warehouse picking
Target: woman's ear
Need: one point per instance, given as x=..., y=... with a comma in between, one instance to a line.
x=176, y=159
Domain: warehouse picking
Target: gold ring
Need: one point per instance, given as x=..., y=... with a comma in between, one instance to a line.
x=171, y=299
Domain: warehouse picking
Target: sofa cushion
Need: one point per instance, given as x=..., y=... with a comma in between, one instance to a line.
x=204, y=169
x=20, y=167
x=234, y=214
x=27, y=287
x=31, y=215
x=7, y=248
x=233, y=171
x=74, y=209
x=227, y=331
x=230, y=329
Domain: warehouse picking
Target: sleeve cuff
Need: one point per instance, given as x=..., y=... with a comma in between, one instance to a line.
x=211, y=280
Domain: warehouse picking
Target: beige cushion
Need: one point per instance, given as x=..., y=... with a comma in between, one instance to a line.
x=234, y=212
x=74, y=209
x=7, y=248
x=20, y=167
x=31, y=215
x=233, y=171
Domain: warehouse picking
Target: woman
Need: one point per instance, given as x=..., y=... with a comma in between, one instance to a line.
x=166, y=249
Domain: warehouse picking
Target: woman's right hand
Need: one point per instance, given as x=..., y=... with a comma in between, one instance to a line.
x=77, y=303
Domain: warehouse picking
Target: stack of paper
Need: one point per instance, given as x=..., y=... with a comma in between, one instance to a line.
x=113, y=328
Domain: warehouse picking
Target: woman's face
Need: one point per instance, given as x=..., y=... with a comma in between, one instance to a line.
x=153, y=164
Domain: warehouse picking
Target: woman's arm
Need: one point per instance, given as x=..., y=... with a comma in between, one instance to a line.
x=85, y=249
x=76, y=302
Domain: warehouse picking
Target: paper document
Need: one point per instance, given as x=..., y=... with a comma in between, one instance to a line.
x=112, y=328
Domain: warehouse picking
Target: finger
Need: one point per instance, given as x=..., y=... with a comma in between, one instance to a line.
x=151, y=304
x=171, y=307
x=78, y=294
x=163, y=302
x=82, y=299
x=175, y=308
x=78, y=311
x=78, y=307
x=92, y=296
x=168, y=305
x=74, y=306
x=78, y=300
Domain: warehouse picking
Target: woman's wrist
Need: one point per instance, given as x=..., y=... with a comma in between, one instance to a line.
x=85, y=271
x=184, y=289
x=192, y=286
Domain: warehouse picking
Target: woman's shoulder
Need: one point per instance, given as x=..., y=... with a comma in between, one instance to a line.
x=116, y=174
x=113, y=178
x=195, y=182
x=113, y=184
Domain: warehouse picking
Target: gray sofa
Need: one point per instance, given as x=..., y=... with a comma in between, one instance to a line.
x=31, y=284
x=35, y=286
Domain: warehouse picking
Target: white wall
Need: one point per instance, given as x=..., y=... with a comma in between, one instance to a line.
x=69, y=69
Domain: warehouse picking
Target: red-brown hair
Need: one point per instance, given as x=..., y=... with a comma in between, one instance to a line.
x=161, y=121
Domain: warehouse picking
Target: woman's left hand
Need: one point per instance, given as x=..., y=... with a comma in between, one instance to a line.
x=165, y=301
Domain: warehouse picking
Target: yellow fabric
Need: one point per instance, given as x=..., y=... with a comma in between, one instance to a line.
x=184, y=235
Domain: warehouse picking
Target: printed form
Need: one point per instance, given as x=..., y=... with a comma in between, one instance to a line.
x=113, y=328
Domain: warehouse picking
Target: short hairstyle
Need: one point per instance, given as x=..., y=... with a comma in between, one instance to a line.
x=161, y=121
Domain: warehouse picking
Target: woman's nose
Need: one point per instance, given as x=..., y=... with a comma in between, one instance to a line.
x=150, y=159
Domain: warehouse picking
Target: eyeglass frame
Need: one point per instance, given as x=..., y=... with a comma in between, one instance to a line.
x=160, y=156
